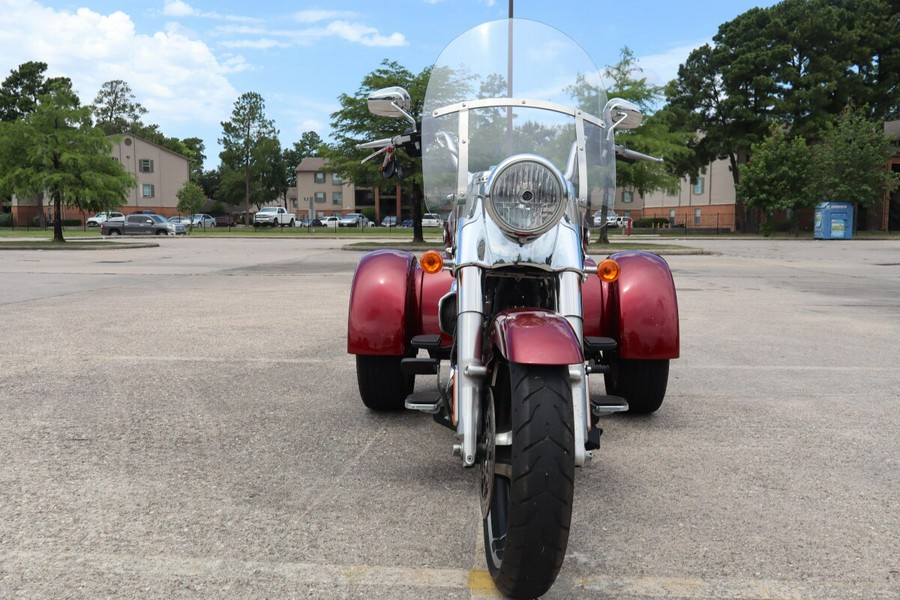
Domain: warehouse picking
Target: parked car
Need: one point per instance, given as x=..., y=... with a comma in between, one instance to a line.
x=389, y=221
x=141, y=224
x=432, y=220
x=178, y=219
x=354, y=220
x=202, y=220
x=274, y=216
x=329, y=221
x=612, y=220
x=406, y=223
x=225, y=221
x=103, y=216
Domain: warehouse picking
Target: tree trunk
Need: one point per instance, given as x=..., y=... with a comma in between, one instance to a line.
x=418, y=235
x=247, y=199
x=57, y=218
x=604, y=230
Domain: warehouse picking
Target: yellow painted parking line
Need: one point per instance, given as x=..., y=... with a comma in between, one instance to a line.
x=481, y=585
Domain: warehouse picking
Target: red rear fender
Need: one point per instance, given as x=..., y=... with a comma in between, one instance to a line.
x=383, y=311
x=640, y=310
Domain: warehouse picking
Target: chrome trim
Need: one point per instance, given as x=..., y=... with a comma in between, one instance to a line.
x=523, y=102
x=462, y=159
x=510, y=162
x=569, y=303
x=469, y=368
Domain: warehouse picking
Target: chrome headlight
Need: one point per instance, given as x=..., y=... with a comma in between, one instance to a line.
x=526, y=195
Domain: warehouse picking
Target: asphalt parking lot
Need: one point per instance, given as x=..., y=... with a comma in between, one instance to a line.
x=182, y=422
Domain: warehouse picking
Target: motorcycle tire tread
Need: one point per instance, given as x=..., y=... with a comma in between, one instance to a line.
x=542, y=484
x=383, y=386
x=641, y=382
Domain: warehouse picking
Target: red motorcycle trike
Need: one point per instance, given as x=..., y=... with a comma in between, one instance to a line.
x=511, y=316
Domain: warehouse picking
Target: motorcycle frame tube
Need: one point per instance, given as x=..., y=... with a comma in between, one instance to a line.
x=470, y=369
x=382, y=299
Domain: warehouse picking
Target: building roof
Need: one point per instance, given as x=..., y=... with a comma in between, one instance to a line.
x=311, y=164
x=148, y=142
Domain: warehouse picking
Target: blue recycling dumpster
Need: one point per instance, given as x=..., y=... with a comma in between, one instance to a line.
x=834, y=221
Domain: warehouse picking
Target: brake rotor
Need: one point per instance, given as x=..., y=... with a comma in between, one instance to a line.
x=487, y=442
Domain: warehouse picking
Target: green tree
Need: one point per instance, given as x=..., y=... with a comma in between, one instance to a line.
x=797, y=64
x=116, y=110
x=19, y=95
x=56, y=150
x=247, y=140
x=191, y=198
x=779, y=175
x=353, y=124
x=653, y=137
x=195, y=151
x=21, y=90
x=309, y=145
x=849, y=163
x=209, y=182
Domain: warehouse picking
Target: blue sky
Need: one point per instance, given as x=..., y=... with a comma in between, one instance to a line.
x=187, y=61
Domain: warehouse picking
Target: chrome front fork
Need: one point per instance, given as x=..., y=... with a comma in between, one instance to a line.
x=470, y=372
x=569, y=306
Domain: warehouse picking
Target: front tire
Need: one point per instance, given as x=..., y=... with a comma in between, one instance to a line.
x=382, y=384
x=530, y=482
x=642, y=382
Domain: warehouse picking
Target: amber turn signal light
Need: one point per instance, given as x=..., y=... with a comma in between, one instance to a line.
x=609, y=270
x=432, y=262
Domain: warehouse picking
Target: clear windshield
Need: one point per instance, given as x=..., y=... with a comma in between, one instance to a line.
x=468, y=118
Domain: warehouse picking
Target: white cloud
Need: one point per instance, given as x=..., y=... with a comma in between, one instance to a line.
x=180, y=9
x=363, y=34
x=178, y=79
x=177, y=8
x=261, y=37
x=317, y=15
x=660, y=69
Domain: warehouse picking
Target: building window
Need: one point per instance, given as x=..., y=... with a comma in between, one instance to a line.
x=147, y=191
x=319, y=178
x=698, y=186
x=294, y=203
x=320, y=197
x=337, y=179
x=671, y=216
x=337, y=198
x=145, y=165
x=696, y=216
x=627, y=197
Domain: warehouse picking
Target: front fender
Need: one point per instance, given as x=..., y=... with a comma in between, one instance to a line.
x=382, y=304
x=535, y=337
x=640, y=310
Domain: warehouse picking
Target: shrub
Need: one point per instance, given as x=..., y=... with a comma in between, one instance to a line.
x=6, y=220
x=651, y=222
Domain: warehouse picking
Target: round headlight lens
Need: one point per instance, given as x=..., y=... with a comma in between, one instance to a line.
x=526, y=195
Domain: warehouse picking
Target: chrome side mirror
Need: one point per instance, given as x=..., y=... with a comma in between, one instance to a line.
x=391, y=102
x=621, y=114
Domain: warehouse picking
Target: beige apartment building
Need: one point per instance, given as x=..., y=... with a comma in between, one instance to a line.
x=160, y=173
x=320, y=192
x=706, y=202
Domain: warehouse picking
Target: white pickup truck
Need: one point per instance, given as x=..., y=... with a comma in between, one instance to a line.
x=271, y=216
